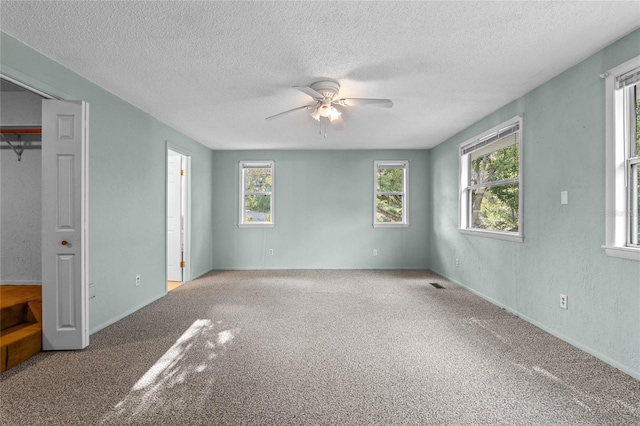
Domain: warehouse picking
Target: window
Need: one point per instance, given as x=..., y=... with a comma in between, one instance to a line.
x=623, y=160
x=390, y=194
x=491, y=182
x=256, y=193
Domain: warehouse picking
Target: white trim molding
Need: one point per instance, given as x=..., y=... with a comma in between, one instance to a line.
x=391, y=164
x=242, y=166
x=617, y=199
x=481, y=143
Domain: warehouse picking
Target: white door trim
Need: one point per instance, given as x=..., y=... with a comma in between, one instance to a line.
x=175, y=219
x=186, y=273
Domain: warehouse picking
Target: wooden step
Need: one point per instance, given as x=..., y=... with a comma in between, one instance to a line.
x=13, y=294
x=19, y=313
x=19, y=343
x=20, y=324
x=13, y=315
x=34, y=312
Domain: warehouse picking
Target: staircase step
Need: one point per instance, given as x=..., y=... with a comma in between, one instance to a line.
x=20, y=323
x=13, y=315
x=19, y=343
x=34, y=311
x=13, y=294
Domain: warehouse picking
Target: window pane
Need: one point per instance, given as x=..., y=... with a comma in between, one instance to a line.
x=637, y=92
x=635, y=203
x=496, y=162
x=389, y=208
x=495, y=208
x=257, y=180
x=390, y=180
x=257, y=208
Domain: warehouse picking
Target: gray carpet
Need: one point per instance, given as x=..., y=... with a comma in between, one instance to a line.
x=320, y=348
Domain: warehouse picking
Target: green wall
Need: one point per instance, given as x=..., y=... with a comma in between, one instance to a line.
x=564, y=149
x=324, y=213
x=127, y=163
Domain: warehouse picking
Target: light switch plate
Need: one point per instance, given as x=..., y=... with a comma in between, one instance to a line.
x=564, y=197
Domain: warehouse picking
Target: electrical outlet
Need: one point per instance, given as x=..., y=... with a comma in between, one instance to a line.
x=375, y=252
x=457, y=263
x=137, y=279
x=563, y=301
x=270, y=252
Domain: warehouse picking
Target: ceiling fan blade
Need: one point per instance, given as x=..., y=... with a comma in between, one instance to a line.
x=338, y=123
x=291, y=110
x=386, y=103
x=309, y=91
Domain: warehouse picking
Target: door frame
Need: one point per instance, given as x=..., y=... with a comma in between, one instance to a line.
x=175, y=216
x=186, y=272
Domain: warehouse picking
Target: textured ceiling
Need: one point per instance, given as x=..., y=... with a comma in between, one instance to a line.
x=215, y=70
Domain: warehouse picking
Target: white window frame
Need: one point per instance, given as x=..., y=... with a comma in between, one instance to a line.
x=388, y=164
x=619, y=134
x=243, y=165
x=464, y=214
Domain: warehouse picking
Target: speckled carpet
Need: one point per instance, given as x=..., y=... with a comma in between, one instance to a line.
x=319, y=348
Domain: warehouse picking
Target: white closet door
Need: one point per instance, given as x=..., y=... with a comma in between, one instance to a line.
x=65, y=180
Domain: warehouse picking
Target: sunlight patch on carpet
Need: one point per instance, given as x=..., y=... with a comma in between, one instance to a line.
x=191, y=355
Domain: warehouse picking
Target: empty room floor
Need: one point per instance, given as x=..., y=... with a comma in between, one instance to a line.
x=320, y=347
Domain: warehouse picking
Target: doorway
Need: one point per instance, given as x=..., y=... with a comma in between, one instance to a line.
x=178, y=270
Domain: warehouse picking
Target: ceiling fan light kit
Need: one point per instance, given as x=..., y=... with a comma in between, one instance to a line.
x=325, y=95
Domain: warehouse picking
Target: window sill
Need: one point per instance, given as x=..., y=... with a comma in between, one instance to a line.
x=623, y=252
x=493, y=234
x=256, y=225
x=390, y=225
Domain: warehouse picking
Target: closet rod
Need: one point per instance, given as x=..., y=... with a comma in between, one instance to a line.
x=21, y=136
x=23, y=130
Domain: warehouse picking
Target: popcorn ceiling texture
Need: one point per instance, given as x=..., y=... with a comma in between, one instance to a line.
x=215, y=70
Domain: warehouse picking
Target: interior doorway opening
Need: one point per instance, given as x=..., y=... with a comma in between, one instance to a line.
x=178, y=264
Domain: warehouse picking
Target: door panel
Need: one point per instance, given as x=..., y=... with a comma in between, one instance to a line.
x=65, y=306
x=65, y=188
x=65, y=295
x=174, y=218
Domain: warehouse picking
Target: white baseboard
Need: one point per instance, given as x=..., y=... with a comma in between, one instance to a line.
x=122, y=315
x=604, y=358
x=555, y=333
x=20, y=282
x=198, y=275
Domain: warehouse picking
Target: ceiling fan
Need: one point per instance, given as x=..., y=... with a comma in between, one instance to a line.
x=325, y=96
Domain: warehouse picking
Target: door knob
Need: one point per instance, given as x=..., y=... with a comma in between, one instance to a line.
x=65, y=243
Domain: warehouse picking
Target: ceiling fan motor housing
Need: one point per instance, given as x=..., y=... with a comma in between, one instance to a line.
x=327, y=88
